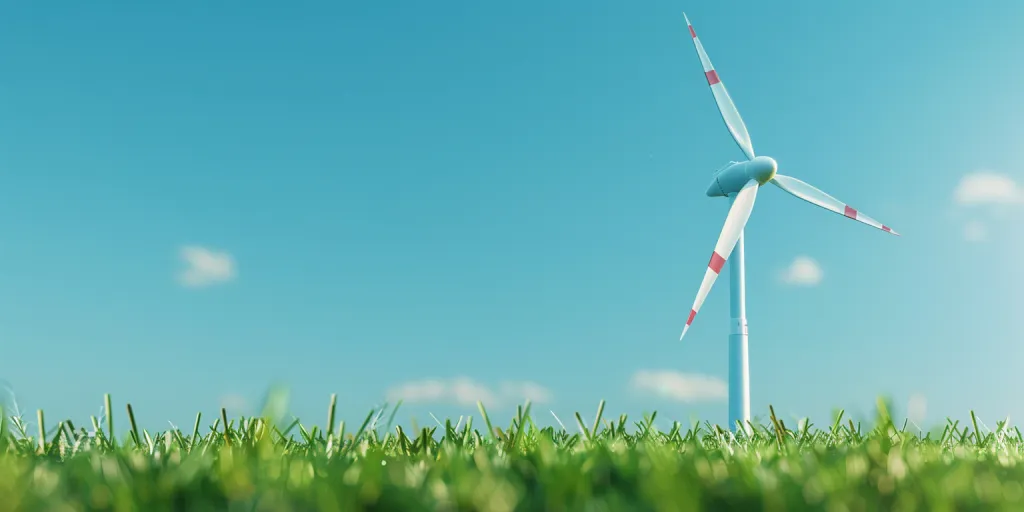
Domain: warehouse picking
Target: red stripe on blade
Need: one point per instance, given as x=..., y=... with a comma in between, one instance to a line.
x=850, y=212
x=886, y=228
x=692, y=33
x=693, y=313
x=712, y=77
x=716, y=262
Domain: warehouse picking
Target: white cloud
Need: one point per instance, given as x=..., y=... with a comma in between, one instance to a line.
x=526, y=390
x=466, y=391
x=205, y=267
x=803, y=271
x=975, y=231
x=986, y=187
x=681, y=387
x=984, y=201
x=234, y=403
x=917, y=408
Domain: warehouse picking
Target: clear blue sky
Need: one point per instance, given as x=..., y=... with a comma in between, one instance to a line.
x=505, y=193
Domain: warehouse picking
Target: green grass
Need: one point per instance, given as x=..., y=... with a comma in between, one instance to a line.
x=604, y=464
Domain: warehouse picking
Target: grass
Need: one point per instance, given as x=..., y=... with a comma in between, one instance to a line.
x=261, y=463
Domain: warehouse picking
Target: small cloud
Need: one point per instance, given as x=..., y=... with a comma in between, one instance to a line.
x=466, y=391
x=803, y=271
x=233, y=402
x=681, y=387
x=975, y=231
x=526, y=390
x=917, y=408
x=985, y=187
x=983, y=201
x=205, y=267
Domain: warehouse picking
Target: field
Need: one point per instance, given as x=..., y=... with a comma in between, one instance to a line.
x=607, y=463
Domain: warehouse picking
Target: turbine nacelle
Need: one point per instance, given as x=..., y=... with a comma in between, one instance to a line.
x=733, y=177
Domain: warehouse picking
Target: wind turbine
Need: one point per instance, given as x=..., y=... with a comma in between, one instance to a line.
x=740, y=181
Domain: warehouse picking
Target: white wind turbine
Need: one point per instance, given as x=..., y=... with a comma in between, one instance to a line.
x=740, y=182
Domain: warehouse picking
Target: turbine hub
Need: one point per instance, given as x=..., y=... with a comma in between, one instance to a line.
x=762, y=169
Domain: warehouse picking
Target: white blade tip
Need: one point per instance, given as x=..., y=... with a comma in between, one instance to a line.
x=685, y=328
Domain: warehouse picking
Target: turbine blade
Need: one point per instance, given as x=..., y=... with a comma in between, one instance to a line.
x=814, y=196
x=734, y=223
x=730, y=114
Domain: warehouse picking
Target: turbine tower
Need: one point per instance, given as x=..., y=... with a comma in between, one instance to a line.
x=740, y=182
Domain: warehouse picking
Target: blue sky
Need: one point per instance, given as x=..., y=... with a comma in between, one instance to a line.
x=467, y=200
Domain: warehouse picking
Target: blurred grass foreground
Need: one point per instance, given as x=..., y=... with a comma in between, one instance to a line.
x=261, y=463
